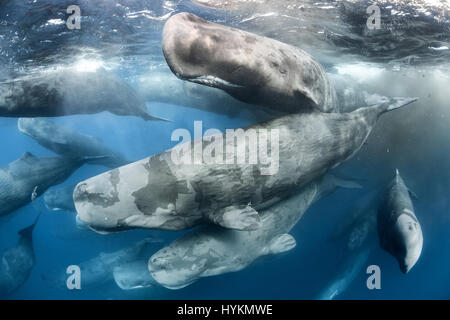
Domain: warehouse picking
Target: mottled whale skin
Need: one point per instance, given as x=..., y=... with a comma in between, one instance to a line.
x=67, y=142
x=399, y=230
x=68, y=91
x=99, y=270
x=210, y=251
x=17, y=262
x=20, y=178
x=249, y=67
x=158, y=193
x=60, y=198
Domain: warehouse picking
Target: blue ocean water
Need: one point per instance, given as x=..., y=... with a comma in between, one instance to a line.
x=409, y=57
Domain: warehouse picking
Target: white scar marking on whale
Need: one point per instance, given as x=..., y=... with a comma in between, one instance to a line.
x=211, y=80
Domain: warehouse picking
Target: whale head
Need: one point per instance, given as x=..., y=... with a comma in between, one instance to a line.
x=172, y=275
x=408, y=242
x=91, y=204
x=179, y=264
x=104, y=201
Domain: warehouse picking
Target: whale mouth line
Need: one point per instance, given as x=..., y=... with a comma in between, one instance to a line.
x=176, y=285
x=212, y=81
x=410, y=214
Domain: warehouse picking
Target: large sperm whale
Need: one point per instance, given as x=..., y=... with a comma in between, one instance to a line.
x=209, y=250
x=163, y=86
x=69, y=91
x=346, y=274
x=398, y=228
x=17, y=262
x=27, y=174
x=67, y=142
x=247, y=66
x=358, y=232
x=165, y=193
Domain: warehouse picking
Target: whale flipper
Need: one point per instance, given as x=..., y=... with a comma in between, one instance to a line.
x=398, y=102
x=392, y=104
x=282, y=243
x=243, y=218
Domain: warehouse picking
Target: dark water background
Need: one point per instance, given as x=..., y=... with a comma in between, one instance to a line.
x=409, y=56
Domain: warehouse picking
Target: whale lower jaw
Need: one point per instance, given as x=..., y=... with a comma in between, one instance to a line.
x=174, y=286
x=212, y=81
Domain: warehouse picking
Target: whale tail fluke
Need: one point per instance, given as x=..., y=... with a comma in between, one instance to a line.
x=27, y=232
x=375, y=111
x=394, y=103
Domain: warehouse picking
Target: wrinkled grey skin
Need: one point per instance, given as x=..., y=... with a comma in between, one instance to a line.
x=399, y=230
x=69, y=91
x=69, y=143
x=133, y=275
x=249, y=67
x=158, y=193
x=60, y=198
x=17, y=262
x=99, y=270
x=210, y=251
x=20, y=178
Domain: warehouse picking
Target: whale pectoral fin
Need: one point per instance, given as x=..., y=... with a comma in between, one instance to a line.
x=282, y=243
x=136, y=220
x=162, y=219
x=243, y=218
x=144, y=221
